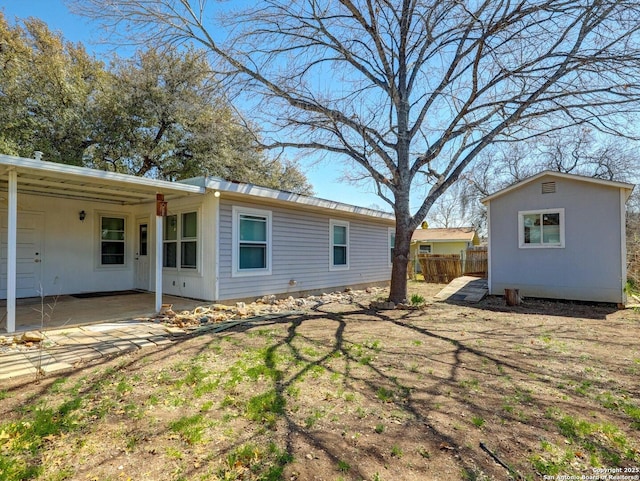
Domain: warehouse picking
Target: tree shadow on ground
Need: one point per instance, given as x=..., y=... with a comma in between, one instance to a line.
x=344, y=391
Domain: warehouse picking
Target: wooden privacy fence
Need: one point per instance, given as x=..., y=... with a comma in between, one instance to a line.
x=441, y=268
x=476, y=262
x=444, y=268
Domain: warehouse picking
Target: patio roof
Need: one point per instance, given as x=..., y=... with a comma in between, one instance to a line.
x=71, y=182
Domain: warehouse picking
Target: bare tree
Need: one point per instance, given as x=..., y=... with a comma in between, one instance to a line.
x=633, y=244
x=459, y=206
x=573, y=150
x=411, y=91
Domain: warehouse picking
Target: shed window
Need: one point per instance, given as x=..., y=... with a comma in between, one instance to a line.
x=544, y=228
x=251, y=241
x=424, y=249
x=339, y=240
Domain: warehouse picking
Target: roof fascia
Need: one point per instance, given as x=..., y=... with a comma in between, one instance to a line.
x=290, y=198
x=47, y=167
x=628, y=188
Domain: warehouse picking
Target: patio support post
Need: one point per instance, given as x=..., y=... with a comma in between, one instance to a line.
x=160, y=210
x=12, y=227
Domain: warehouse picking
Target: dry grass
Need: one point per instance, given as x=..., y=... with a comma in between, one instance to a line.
x=346, y=393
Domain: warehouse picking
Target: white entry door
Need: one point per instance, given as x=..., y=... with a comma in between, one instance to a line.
x=142, y=254
x=29, y=255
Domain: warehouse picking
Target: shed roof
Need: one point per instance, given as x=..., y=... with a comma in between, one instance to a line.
x=626, y=187
x=456, y=234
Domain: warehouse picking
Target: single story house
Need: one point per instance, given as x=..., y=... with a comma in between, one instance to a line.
x=429, y=240
x=69, y=230
x=561, y=236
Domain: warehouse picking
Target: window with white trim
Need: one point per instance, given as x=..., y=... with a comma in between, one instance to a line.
x=180, y=241
x=339, y=240
x=189, y=240
x=251, y=239
x=541, y=228
x=112, y=242
x=170, y=241
x=424, y=249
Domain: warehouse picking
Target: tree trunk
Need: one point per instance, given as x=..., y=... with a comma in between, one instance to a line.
x=404, y=219
x=512, y=297
x=398, y=289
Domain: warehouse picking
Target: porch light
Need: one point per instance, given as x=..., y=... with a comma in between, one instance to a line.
x=82, y=215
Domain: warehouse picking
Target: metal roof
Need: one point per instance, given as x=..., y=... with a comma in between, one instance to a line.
x=69, y=181
x=279, y=196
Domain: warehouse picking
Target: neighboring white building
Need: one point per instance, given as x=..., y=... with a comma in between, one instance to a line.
x=560, y=236
x=68, y=230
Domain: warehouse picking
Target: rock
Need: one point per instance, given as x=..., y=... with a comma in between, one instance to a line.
x=164, y=308
x=221, y=307
x=241, y=305
x=32, y=336
x=382, y=305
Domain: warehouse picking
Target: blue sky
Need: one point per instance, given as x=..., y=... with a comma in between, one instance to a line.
x=324, y=176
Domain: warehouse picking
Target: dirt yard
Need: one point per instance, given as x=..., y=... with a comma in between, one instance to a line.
x=445, y=392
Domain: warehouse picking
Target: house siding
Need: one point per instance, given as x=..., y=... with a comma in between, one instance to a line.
x=300, y=253
x=196, y=283
x=69, y=248
x=589, y=267
x=441, y=247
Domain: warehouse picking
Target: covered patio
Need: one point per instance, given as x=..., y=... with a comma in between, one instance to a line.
x=67, y=311
x=68, y=229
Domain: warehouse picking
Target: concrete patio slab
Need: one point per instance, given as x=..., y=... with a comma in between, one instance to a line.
x=69, y=347
x=43, y=360
x=73, y=356
x=160, y=340
x=106, y=348
x=68, y=312
x=15, y=364
x=142, y=343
